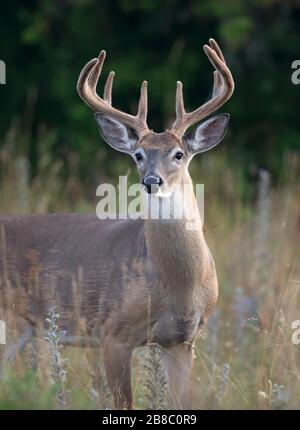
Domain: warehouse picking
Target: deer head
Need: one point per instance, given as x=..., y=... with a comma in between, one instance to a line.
x=162, y=159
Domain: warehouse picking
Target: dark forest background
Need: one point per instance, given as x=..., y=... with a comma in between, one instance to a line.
x=46, y=43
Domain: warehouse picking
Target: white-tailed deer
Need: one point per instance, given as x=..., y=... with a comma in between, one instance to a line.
x=141, y=281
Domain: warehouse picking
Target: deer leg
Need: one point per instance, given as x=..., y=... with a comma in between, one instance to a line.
x=117, y=362
x=178, y=362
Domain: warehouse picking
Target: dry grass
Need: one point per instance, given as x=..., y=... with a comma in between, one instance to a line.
x=245, y=357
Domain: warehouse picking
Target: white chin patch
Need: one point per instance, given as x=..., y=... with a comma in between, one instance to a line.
x=162, y=194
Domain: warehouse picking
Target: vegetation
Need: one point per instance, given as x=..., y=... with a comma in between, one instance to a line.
x=245, y=357
x=52, y=159
x=45, y=44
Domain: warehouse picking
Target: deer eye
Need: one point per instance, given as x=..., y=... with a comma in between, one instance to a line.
x=138, y=156
x=179, y=155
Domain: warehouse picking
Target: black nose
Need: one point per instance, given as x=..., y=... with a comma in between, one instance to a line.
x=152, y=183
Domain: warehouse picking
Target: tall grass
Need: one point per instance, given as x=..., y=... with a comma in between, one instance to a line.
x=245, y=357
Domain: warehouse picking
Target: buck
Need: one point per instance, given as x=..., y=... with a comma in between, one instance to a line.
x=142, y=281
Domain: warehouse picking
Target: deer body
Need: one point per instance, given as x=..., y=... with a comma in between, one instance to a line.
x=117, y=285
x=139, y=281
x=148, y=292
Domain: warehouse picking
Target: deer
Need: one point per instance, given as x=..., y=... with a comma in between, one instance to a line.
x=143, y=281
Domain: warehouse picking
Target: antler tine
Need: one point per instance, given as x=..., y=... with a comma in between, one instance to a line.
x=179, y=105
x=83, y=77
x=143, y=103
x=221, y=68
x=96, y=72
x=222, y=91
x=180, y=112
x=217, y=76
x=108, y=87
x=86, y=87
x=214, y=45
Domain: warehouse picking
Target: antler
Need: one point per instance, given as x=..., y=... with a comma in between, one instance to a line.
x=86, y=87
x=222, y=91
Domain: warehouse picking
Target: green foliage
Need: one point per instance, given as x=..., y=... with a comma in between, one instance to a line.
x=45, y=44
x=23, y=392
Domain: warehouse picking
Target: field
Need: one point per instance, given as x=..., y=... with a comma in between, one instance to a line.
x=245, y=358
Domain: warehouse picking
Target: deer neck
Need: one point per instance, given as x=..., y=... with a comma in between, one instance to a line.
x=176, y=247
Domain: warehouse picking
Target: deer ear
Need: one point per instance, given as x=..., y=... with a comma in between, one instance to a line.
x=208, y=134
x=116, y=134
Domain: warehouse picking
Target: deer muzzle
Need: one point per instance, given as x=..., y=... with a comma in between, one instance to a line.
x=152, y=183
